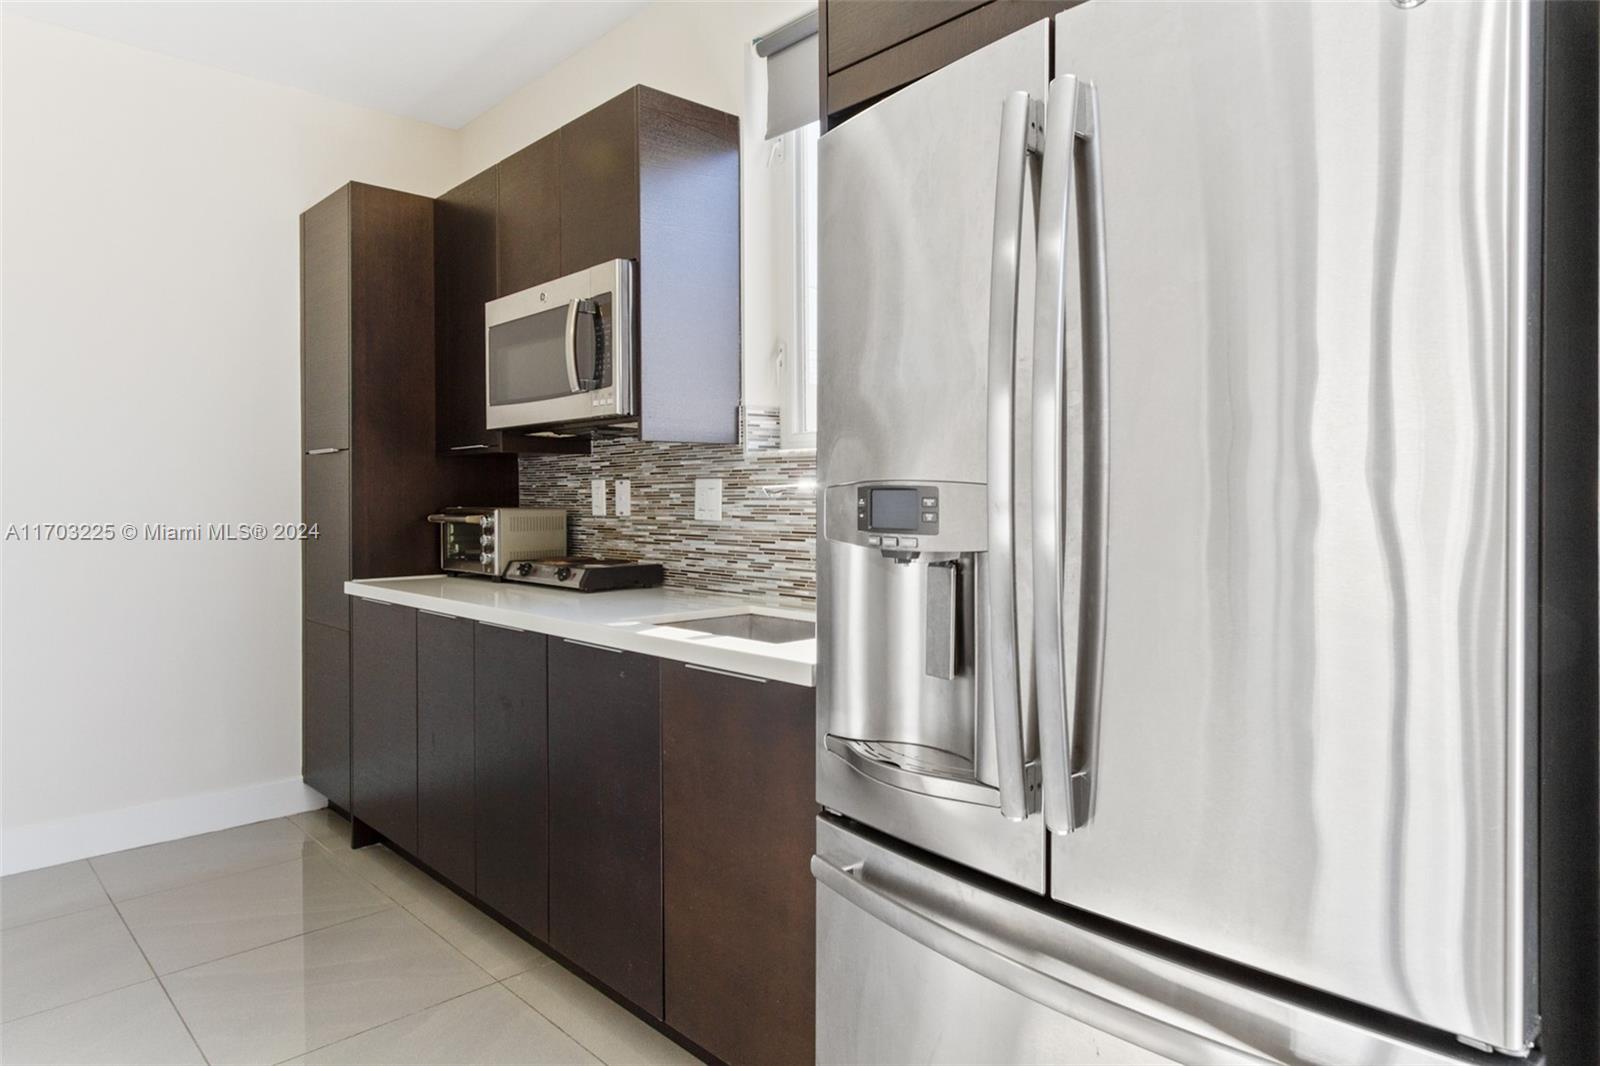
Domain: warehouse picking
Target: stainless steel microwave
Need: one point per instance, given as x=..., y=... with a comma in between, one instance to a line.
x=562, y=352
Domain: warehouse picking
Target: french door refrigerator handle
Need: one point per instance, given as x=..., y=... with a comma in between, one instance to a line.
x=1052, y=568
x=999, y=567
x=1009, y=971
x=1094, y=425
x=1070, y=461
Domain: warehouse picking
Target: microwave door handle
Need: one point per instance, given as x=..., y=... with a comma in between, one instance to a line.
x=572, y=346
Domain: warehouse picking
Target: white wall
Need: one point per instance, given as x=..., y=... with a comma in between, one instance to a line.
x=150, y=338
x=700, y=51
x=151, y=346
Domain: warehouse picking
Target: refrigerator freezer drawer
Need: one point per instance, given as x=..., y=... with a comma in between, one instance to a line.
x=922, y=963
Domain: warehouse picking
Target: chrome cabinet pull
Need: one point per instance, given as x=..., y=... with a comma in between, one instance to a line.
x=467, y=447
x=726, y=673
x=596, y=647
x=996, y=570
x=325, y=451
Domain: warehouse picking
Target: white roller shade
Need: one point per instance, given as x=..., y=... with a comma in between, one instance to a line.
x=792, y=74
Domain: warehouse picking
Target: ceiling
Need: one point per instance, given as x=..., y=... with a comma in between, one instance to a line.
x=444, y=63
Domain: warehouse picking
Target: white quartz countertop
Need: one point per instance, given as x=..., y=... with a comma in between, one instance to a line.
x=639, y=620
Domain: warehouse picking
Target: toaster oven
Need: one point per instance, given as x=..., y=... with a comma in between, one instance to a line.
x=484, y=540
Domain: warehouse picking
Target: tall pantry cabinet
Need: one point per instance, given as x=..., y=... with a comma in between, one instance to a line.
x=370, y=473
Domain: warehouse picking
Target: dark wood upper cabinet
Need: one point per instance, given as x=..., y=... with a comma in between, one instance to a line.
x=738, y=787
x=528, y=216
x=688, y=270
x=464, y=279
x=513, y=843
x=383, y=715
x=600, y=185
x=445, y=742
x=605, y=817
x=862, y=28
x=869, y=48
x=645, y=176
x=474, y=227
x=325, y=324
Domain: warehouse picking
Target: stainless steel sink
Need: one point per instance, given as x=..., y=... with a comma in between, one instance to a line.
x=763, y=627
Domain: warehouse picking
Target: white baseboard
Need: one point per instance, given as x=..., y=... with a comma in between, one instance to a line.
x=30, y=847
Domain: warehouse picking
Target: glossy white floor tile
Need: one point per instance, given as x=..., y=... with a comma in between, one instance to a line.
x=479, y=937
x=62, y=960
x=141, y=871
x=593, y=1020
x=131, y=1026
x=489, y=1026
x=49, y=893
x=276, y=940
x=196, y=923
x=325, y=827
x=291, y=997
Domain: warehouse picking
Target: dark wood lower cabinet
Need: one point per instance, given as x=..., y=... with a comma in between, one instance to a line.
x=445, y=746
x=650, y=820
x=325, y=712
x=739, y=809
x=605, y=817
x=383, y=719
x=513, y=857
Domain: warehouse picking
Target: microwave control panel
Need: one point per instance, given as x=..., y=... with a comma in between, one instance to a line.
x=897, y=516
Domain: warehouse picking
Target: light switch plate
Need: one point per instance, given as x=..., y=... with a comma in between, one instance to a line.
x=624, y=496
x=708, y=499
x=597, y=497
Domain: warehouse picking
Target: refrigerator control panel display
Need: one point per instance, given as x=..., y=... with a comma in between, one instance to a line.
x=897, y=509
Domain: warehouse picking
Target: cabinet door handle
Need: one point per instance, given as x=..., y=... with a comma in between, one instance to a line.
x=325, y=451
x=436, y=614
x=467, y=447
x=508, y=629
x=726, y=673
x=596, y=647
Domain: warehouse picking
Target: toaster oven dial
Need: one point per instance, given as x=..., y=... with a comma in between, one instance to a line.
x=486, y=541
x=563, y=573
x=485, y=558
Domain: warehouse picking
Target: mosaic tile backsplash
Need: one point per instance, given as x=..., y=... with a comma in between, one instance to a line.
x=765, y=544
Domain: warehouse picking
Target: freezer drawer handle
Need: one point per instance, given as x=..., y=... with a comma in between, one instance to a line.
x=1009, y=972
x=1021, y=119
x=1069, y=460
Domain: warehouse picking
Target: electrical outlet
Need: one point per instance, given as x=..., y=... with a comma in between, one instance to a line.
x=708, y=499
x=624, y=496
x=597, y=497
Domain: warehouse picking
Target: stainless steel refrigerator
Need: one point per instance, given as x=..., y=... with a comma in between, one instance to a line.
x=1206, y=554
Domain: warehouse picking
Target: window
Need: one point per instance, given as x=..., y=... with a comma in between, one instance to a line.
x=800, y=360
